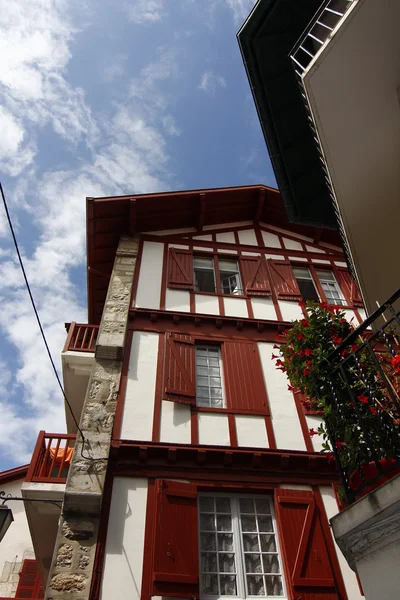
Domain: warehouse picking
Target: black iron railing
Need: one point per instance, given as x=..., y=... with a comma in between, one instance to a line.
x=363, y=387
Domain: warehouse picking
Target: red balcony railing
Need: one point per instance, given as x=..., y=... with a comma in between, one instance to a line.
x=81, y=337
x=51, y=458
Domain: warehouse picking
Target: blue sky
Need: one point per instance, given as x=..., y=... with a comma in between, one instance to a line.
x=102, y=98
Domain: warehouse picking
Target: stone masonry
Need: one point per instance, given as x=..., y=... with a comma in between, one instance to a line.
x=71, y=570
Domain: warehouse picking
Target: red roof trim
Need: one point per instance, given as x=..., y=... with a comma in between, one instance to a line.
x=13, y=474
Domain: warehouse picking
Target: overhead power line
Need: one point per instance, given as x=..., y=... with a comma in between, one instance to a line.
x=21, y=264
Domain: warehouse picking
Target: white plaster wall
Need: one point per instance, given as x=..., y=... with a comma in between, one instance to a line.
x=290, y=310
x=275, y=256
x=175, y=423
x=320, y=262
x=177, y=300
x=235, y=307
x=227, y=237
x=351, y=317
x=313, y=422
x=202, y=249
x=227, y=226
x=251, y=431
x=208, y=305
x=206, y=238
x=213, y=429
x=315, y=249
x=16, y=545
x=286, y=232
x=340, y=264
x=349, y=578
x=149, y=285
x=248, y=237
x=263, y=308
x=285, y=420
x=122, y=575
x=271, y=240
x=137, y=418
x=292, y=244
x=363, y=314
x=298, y=258
x=296, y=486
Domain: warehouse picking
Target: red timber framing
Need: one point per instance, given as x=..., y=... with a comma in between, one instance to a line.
x=109, y=218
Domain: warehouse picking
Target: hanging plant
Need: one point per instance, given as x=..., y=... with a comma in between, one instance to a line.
x=357, y=403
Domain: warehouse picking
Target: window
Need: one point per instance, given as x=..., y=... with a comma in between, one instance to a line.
x=328, y=283
x=306, y=284
x=204, y=276
x=208, y=377
x=330, y=286
x=239, y=553
x=230, y=277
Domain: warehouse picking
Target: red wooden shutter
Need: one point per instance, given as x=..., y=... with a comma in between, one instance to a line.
x=180, y=368
x=283, y=280
x=243, y=378
x=176, y=558
x=349, y=287
x=304, y=547
x=180, y=269
x=255, y=276
x=29, y=585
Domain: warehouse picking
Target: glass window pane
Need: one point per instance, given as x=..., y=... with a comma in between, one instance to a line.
x=204, y=281
x=302, y=273
x=208, y=542
x=255, y=585
x=228, y=585
x=209, y=562
x=209, y=585
x=268, y=543
x=225, y=541
x=326, y=275
x=206, y=504
x=270, y=563
x=248, y=523
x=204, y=263
x=250, y=542
x=224, y=523
x=228, y=265
x=265, y=523
x=202, y=371
x=263, y=506
x=208, y=377
x=246, y=505
x=274, y=585
x=253, y=563
x=223, y=505
x=226, y=563
x=207, y=522
x=203, y=392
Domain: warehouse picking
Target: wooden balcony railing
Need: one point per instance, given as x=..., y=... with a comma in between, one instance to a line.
x=81, y=337
x=51, y=458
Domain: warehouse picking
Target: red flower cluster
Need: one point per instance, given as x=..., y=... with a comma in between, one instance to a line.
x=363, y=399
x=396, y=363
x=337, y=340
x=313, y=432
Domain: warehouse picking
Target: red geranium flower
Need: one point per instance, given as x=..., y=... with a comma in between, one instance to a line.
x=353, y=347
x=396, y=361
x=309, y=363
x=372, y=410
x=313, y=432
x=290, y=388
x=305, y=323
x=337, y=340
x=363, y=399
x=306, y=371
x=308, y=352
x=343, y=321
x=278, y=363
x=345, y=353
x=331, y=458
x=275, y=347
x=273, y=357
x=301, y=337
x=339, y=445
x=302, y=303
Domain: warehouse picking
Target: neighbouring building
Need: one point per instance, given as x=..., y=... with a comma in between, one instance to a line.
x=197, y=476
x=325, y=77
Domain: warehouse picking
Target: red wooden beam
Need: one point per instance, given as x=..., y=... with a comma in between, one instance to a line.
x=202, y=212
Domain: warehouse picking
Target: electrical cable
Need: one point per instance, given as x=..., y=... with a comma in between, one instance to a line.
x=21, y=264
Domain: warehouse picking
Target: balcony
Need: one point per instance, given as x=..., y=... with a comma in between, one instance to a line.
x=45, y=479
x=363, y=389
x=77, y=359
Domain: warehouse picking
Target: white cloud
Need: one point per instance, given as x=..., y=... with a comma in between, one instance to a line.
x=34, y=53
x=210, y=81
x=115, y=69
x=145, y=11
x=130, y=155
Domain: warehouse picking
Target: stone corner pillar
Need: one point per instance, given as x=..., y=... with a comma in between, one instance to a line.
x=71, y=570
x=368, y=534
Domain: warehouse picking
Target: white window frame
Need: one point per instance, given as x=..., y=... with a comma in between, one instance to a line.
x=236, y=275
x=213, y=347
x=238, y=547
x=333, y=281
x=205, y=269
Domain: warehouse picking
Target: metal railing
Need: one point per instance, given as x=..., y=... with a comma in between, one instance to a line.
x=363, y=389
x=51, y=458
x=81, y=337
